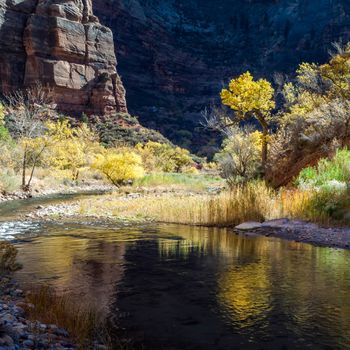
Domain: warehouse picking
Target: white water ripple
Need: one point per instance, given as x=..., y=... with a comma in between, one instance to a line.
x=13, y=229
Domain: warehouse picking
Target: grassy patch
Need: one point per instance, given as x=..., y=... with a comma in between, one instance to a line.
x=8, y=256
x=229, y=208
x=327, y=171
x=252, y=202
x=186, y=181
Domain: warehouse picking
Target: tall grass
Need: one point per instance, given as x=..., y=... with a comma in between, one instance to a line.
x=81, y=321
x=9, y=182
x=85, y=324
x=243, y=203
x=251, y=202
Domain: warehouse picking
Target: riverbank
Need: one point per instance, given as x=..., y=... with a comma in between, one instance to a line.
x=58, y=190
x=167, y=206
x=17, y=331
x=299, y=231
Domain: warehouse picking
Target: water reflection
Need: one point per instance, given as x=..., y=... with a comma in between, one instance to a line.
x=177, y=287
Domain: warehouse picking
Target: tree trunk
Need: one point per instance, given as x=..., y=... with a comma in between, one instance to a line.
x=24, y=166
x=264, y=146
x=264, y=150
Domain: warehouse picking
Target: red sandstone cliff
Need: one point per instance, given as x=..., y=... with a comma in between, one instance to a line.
x=61, y=44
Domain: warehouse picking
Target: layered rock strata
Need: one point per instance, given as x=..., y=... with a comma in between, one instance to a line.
x=62, y=45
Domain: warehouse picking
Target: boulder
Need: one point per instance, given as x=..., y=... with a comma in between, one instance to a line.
x=248, y=226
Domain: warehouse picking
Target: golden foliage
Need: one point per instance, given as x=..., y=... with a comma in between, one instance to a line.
x=163, y=157
x=119, y=166
x=2, y=114
x=246, y=96
x=74, y=147
x=337, y=72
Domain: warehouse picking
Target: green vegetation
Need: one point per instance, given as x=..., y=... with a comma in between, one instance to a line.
x=38, y=150
x=332, y=173
x=124, y=129
x=191, y=182
x=329, y=184
x=304, y=144
x=164, y=157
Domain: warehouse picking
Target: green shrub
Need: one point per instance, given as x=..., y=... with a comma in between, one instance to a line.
x=9, y=182
x=327, y=171
x=191, y=181
x=330, y=205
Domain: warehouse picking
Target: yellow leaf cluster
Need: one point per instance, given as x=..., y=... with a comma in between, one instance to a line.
x=337, y=71
x=119, y=167
x=246, y=96
x=73, y=147
x=163, y=157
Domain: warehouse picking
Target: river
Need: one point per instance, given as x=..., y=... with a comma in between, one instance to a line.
x=189, y=288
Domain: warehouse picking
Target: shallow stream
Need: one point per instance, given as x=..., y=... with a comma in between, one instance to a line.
x=177, y=287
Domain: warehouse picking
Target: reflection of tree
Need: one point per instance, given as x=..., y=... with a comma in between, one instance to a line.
x=210, y=241
x=87, y=268
x=245, y=292
x=259, y=286
x=261, y=280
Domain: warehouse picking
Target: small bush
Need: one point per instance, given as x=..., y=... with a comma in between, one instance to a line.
x=119, y=166
x=327, y=171
x=330, y=206
x=9, y=182
x=8, y=256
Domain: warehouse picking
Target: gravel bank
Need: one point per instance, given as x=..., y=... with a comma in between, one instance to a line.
x=299, y=231
x=17, y=332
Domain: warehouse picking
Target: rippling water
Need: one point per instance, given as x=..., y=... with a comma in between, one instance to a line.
x=176, y=287
x=187, y=288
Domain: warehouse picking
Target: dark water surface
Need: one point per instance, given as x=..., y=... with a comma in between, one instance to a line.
x=177, y=287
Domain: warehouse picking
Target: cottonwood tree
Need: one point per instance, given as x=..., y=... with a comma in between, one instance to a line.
x=251, y=99
x=26, y=112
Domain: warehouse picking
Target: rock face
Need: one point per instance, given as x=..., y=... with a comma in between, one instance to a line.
x=61, y=44
x=174, y=55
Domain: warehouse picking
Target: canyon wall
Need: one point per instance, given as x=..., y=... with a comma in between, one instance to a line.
x=62, y=45
x=175, y=55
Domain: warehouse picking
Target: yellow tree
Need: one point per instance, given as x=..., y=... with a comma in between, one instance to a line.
x=337, y=72
x=119, y=167
x=250, y=98
x=33, y=150
x=163, y=157
x=74, y=147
